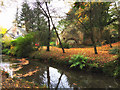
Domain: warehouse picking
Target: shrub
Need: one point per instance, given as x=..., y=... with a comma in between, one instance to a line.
x=24, y=46
x=114, y=50
x=52, y=43
x=13, y=50
x=13, y=42
x=4, y=51
x=8, y=52
x=40, y=37
x=6, y=42
x=81, y=61
x=112, y=68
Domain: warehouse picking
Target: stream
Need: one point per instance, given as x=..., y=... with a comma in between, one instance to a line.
x=56, y=76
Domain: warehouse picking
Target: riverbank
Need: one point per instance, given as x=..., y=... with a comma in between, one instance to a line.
x=14, y=83
x=103, y=62
x=51, y=74
x=56, y=54
x=12, y=80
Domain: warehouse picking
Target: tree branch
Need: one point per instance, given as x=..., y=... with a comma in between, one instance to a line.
x=54, y=27
x=44, y=12
x=113, y=20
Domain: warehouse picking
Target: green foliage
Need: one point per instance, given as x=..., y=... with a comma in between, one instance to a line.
x=24, y=46
x=112, y=68
x=65, y=45
x=4, y=51
x=8, y=52
x=81, y=61
x=33, y=20
x=40, y=37
x=13, y=51
x=13, y=42
x=114, y=50
x=6, y=42
x=52, y=43
x=53, y=36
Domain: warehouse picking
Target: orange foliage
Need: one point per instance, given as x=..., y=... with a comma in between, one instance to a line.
x=102, y=55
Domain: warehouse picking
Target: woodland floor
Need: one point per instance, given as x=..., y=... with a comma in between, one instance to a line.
x=103, y=53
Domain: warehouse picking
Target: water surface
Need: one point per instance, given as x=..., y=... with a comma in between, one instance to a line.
x=58, y=76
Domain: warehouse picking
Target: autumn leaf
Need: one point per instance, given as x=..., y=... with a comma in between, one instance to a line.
x=74, y=84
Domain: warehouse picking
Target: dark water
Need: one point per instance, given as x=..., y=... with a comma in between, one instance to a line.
x=59, y=77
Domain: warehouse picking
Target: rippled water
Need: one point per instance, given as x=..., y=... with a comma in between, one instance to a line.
x=60, y=77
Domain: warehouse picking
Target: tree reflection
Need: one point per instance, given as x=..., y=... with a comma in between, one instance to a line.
x=48, y=77
x=59, y=81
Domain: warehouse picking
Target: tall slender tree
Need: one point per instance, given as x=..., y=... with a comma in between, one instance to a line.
x=26, y=16
x=47, y=15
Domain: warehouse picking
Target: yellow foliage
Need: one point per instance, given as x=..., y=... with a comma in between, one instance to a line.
x=11, y=47
x=2, y=30
x=6, y=40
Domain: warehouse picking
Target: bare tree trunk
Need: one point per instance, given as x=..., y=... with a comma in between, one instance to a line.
x=59, y=39
x=93, y=42
x=48, y=76
x=55, y=28
x=92, y=33
x=119, y=27
x=26, y=27
x=101, y=29
x=48, y=42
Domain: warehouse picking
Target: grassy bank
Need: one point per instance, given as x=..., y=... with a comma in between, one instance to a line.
x=104, y=59
x=56, y=53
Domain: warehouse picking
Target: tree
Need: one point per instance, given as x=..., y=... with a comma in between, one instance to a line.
x=91, y=15
x=84, y=14
x=54, y=27
x=47, y=15
x=26, y=17
x=40, y=23
x=116, y=14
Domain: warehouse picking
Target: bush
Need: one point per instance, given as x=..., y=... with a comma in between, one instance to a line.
x=112, y=68
x=6, y=42
x=8, y=52
x=40, y=37
x=4, y=51
x=23, y=46
x=13, y=42
x=82, y=62
x=52, y=43
x=114, y=50
x=65, y=45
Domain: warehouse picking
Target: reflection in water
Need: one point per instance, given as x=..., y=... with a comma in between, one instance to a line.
x=6, y=67
x=55, y=78
x=59, y=81
x=48, y=77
